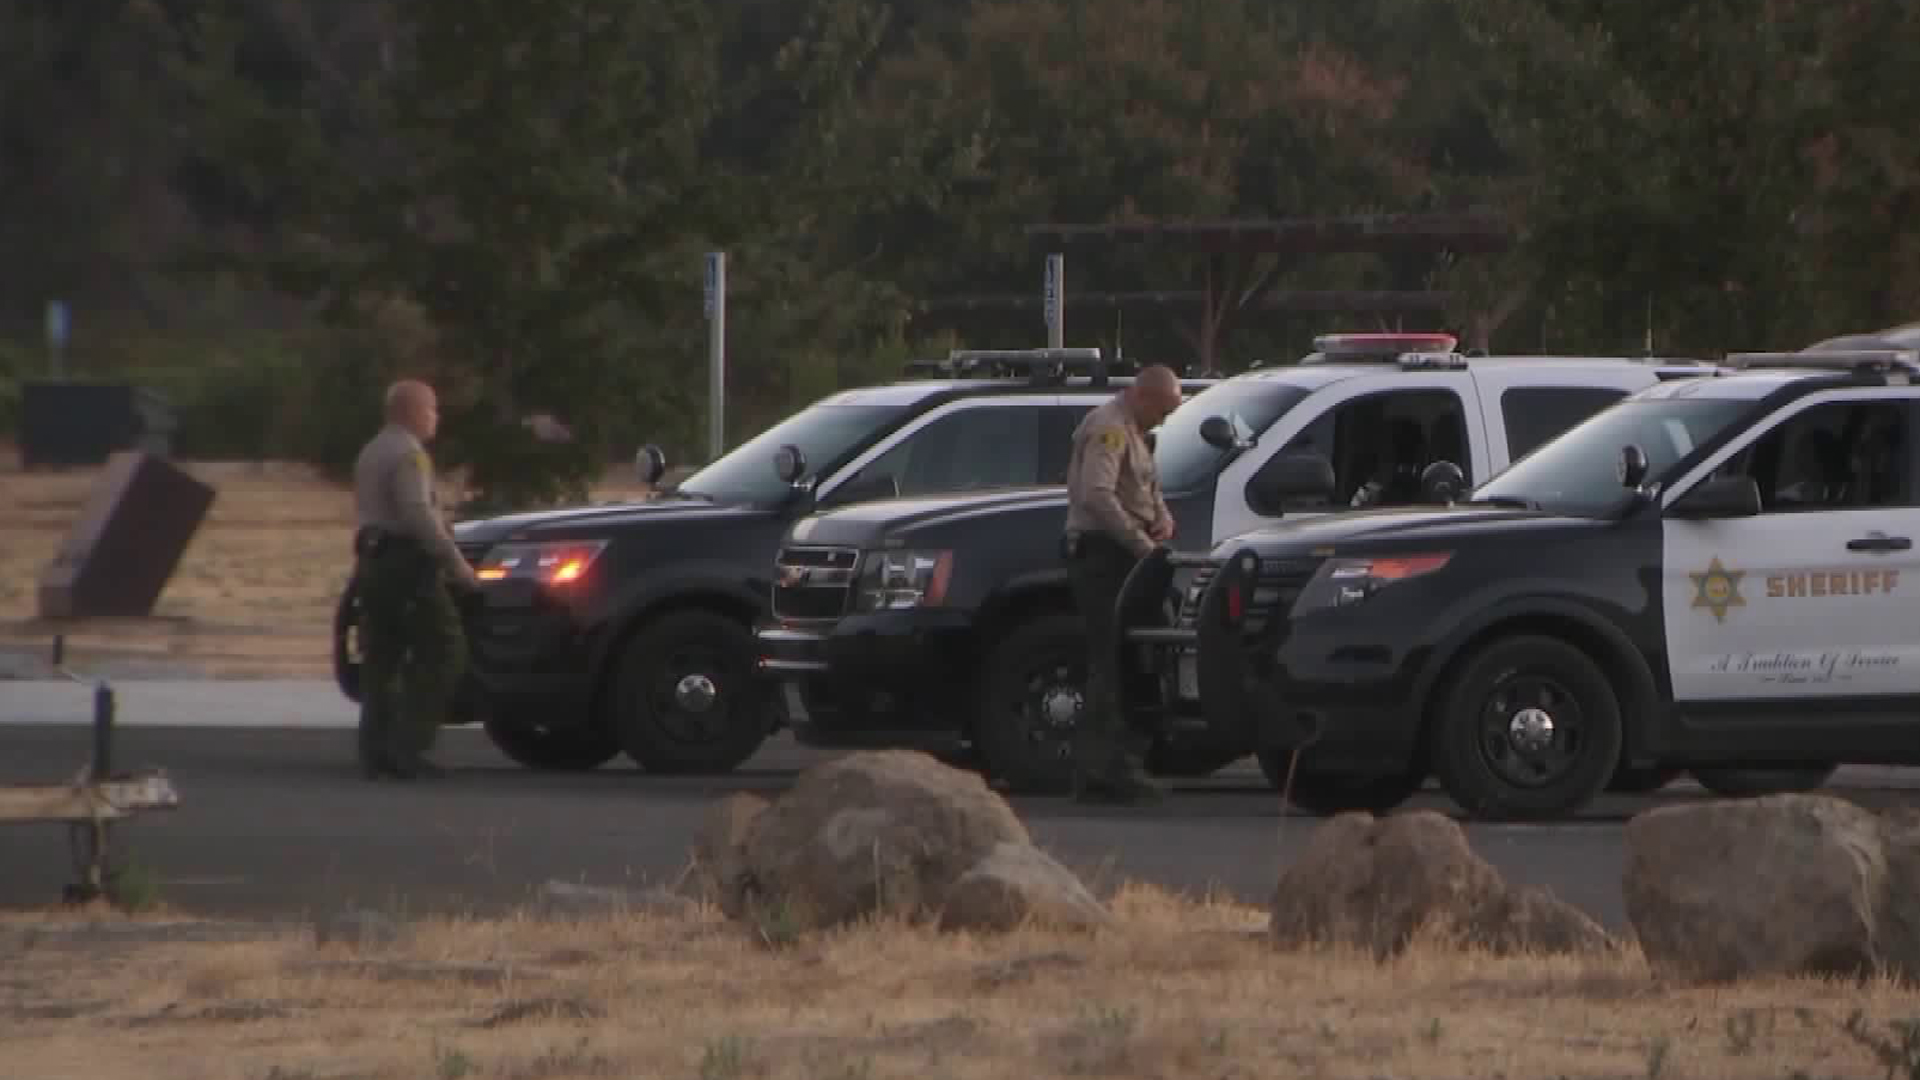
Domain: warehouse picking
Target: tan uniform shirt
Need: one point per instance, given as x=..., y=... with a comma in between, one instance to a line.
x=393, y=491
x=1113, y=484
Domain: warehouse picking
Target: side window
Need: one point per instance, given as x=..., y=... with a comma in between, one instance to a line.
x=980, y=447
x=1380, y=443
x=1839, y=456
x=1056, y=439
x=1536, y=414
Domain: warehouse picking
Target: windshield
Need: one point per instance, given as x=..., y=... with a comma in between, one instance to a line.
x=1185, y=460
x=1575, y=474
x=824, y=433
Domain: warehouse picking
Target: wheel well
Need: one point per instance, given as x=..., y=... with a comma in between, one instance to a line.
x=636, y=623
x=1618, y=669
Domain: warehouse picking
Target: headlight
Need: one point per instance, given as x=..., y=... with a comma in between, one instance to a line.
x=893, y=580
x=561, y=562
x=1349, y=581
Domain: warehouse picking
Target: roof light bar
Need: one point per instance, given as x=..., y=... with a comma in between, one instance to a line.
x=1905, y=361
x=1384, y=344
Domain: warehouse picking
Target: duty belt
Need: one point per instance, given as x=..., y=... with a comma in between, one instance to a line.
x=371, y=540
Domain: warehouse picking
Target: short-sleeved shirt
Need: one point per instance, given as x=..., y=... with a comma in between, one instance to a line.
x=1113, y=483
x=393, y=491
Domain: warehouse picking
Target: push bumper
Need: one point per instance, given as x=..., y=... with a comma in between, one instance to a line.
x=1204, y=676
x=528, y=655
x=886, y=678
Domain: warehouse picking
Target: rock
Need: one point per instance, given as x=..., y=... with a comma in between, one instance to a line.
x=1017, y=884
x=892, y=832
x=878, y=833
x=720, y=851
x=1378, y=882
x=566, y=900
x=1778, y=885
x=356, y=929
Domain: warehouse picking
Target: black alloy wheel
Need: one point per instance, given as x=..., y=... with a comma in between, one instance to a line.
x=684, y=700
x=1034, y=697
x=346, y=641
x=1530, y=730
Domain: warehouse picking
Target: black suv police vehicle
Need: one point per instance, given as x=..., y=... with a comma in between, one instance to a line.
x=627, y=627
x=1711, y=575
x=946, y=622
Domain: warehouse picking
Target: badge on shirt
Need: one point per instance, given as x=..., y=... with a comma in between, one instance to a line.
x=1113, y=440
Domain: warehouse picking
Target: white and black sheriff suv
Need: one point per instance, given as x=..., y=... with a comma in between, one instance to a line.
x=1717, y=574
x=946, y=621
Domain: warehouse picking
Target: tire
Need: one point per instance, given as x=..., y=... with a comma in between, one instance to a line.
x=1745, y=783
x=1326, y=794
x=1628, y=780
x=1043, y=662
x=658, y=730
x=553, y=749
x=1474, y=755
x=346, y=642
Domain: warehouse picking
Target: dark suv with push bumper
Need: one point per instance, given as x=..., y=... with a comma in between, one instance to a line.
x=626, y=627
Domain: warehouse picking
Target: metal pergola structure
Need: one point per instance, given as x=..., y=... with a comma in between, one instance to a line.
x=1243, y=261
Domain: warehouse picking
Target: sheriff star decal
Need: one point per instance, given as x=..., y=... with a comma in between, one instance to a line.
x=1718, y=589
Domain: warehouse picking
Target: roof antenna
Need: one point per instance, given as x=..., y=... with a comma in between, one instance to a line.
x=1119, y=354
x=1649, y=344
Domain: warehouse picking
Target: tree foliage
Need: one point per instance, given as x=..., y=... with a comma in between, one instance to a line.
x=513, y=198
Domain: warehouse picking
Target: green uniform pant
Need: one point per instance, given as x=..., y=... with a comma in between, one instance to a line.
x=1105, y=745
x=413, y=653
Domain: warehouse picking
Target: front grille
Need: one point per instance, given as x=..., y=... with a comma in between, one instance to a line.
x=813, y=582
x=1276, y=586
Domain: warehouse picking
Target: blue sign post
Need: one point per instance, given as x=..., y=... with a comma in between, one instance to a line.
x=59, y=326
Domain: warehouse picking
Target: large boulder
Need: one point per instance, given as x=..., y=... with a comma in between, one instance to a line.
x=1779, y=885
x=888, y=833
x=1377, y=883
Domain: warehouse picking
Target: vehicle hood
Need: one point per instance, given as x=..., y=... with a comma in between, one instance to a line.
x=574, y=521
x=868, y=524
x=1395, y=525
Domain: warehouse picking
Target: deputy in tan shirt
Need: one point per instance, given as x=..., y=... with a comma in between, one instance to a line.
x=1115, y=516
x=413, y=647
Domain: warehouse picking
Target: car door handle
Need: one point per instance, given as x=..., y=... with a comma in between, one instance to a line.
x=1880, y=543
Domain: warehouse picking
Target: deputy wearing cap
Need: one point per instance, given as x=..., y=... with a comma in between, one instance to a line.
x=412, y=646
x=1115, y=516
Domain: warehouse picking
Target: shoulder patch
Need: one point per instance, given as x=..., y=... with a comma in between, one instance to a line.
x=420, y=462
x=1113, y=439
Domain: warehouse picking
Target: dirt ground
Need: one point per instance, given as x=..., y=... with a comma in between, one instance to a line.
x=252, y=597
x=1177, y=989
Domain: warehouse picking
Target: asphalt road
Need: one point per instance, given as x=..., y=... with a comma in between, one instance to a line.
x=274, y=820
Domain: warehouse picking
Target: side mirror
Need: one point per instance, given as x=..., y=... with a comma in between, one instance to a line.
x=1442, y=482
x=1291, y=478
x=1721, y=497
x=1217, y=432
x=1632, y=468
x=883, y=486
x=789, y=464
x=651, y=464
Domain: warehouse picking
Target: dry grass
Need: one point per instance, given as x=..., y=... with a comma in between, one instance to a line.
x=1177, y=990
x=253, y=595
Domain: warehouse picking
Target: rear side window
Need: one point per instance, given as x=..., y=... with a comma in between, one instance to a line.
x=1536, y=414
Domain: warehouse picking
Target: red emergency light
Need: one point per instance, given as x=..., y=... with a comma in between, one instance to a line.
x=1388, y=345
